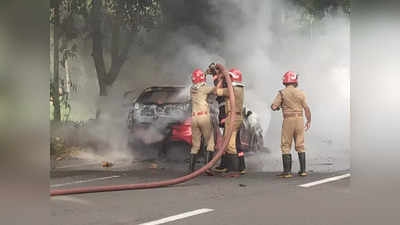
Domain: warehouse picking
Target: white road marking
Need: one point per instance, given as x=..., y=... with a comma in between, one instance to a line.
x=83, y=181
x=178, y=217
x=326, y=180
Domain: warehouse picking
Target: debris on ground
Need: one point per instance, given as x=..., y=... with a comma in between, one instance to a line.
x=242, y=185
x=153, y=166
x=106, y=164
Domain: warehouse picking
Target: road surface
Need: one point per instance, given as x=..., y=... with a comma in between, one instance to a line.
x=255, y=198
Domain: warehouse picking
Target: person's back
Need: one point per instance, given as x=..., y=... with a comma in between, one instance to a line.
x=293, y=99
x=199, y=94
x=293, y=102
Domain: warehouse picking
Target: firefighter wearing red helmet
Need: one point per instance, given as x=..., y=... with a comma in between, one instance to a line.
x=233, y=153
x=201, y=121
x=293, y=102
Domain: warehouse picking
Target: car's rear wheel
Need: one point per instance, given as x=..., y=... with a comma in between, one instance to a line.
x=256, y=142
x=176, y=151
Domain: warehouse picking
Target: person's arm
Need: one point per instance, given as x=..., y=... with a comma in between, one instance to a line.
x=275, y=106
x=210, y=90
x=308, y=117
x=307, y=111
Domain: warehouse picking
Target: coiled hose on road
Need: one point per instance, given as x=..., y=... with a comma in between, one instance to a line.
x=221, y=145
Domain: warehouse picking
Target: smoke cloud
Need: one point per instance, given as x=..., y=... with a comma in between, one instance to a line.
x=263, y=39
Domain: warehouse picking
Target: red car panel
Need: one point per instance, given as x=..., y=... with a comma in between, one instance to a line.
x=183, y=132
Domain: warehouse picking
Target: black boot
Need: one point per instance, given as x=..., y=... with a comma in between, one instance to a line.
x=232, y=162
x=242, y=164
x=221, y=168
x=302, y=160
x=192, y=163
x=209, y=156
x=287, y=166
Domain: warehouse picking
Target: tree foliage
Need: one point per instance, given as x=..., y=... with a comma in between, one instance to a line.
x=320, y=8
x=117, y=23
x=112, y=26
x=135, y=14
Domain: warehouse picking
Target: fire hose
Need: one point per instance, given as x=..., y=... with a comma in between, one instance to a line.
x=221, y=145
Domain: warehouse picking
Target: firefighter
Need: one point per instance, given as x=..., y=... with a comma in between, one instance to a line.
x=221, y=108
x=293, y=102
x=233, y=150
x=201, y=121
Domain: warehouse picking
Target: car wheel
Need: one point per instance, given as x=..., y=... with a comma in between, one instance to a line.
x=177, y=151
x=256, y=143
x=253, y=143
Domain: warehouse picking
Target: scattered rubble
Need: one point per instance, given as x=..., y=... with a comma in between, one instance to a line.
x=106, y=164
x=153, y=166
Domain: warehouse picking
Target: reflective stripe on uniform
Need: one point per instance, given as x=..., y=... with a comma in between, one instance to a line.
x=199, y=113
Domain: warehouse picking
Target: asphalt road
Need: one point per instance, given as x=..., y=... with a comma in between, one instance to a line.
x=255, y=198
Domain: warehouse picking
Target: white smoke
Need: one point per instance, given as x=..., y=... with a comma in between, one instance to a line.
x=263, y=39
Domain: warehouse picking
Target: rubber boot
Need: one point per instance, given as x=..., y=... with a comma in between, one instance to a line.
x=192, y=163
x=209, y=157
x=287, y=166
x=242, y=164
x=302, y=160
x=284, y=165
x=221, y=168
x=232, y=162
x=232, y=165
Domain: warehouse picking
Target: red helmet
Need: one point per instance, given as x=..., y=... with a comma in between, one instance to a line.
x=290, y=78
x=198, y=76
x=236, y=75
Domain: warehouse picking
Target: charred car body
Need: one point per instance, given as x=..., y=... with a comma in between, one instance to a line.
x=162, y=115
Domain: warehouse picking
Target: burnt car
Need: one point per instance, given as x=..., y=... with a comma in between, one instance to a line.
x=251, y=133
x=162, y=115
x=156, y=112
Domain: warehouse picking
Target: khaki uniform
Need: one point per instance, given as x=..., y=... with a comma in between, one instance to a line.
x=292, y=101
x=239, y=95
x=201, y=120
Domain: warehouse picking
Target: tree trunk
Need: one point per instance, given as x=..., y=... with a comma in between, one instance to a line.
x=67, y=77
x=56, y=78
x=105, y=77
x=103, y=88
x=97, y=48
